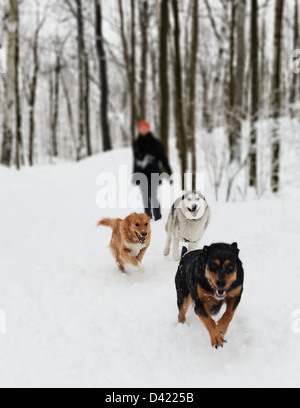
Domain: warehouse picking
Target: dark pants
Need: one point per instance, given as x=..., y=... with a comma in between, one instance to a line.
x=150, y=198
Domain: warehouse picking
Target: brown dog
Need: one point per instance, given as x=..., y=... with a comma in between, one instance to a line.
x=130, y=240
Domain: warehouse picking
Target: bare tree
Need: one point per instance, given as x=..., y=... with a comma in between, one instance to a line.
x=163, y=74
x=31, y=86
x=134, y=110
x=178, y=93
x=239, y=113
x=231, y=121
x=254, y=92
x=55, y=92
x=276, y=95
x=130, y=61
x=83, y=81
x=103, y=80
x=294, y=90
x=11, y=120
x=144, y=24
x=193, y=89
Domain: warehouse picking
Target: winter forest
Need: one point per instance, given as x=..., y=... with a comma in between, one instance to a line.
x=219, y=83
x=215, y=76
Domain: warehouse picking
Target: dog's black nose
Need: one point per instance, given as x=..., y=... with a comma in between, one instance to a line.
x=221, y=284
x=194, y=208
x=144, y=234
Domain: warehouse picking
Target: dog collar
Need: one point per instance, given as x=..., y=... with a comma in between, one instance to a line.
x=190, y=242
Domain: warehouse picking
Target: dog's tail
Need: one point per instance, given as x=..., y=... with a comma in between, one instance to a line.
x=184, y=252
x=108, y=222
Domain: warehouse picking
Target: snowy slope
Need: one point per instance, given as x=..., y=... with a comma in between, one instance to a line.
x=73, y=320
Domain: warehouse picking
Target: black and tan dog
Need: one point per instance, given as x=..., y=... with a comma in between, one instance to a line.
x=210, y=278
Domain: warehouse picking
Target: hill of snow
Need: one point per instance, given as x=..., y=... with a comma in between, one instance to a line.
x=73, y=320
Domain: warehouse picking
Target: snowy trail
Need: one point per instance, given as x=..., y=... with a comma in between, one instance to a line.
x=73, y=320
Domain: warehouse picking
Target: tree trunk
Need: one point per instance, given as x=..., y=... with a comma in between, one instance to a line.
x=233, y=142
x=179, y=112
x=276, y=95
x=70, y=113
x=81, y=78
x=103, y=80
x=55, y=109
x=87, y=105
x=193, y=91
x=254, y=93
x=264, y=71
x=144, y=23
x=293, y=94
x=32, y=95
x=10, y=109
x=129, y=61
x=206, y=111
x=134, y=114
x=19, y=144
x=163, y=75
x=239, y=79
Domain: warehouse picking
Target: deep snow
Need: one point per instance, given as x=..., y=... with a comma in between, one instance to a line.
x=73, y=320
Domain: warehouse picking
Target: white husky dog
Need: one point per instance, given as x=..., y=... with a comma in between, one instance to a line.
x=188, y=221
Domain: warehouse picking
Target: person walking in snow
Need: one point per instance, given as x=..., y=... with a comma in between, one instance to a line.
x=149, y=156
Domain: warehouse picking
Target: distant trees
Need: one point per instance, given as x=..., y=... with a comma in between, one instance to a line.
x=87, y=72
x=252, y=85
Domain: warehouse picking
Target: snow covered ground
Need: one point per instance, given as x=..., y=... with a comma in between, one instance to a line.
x=73, y=320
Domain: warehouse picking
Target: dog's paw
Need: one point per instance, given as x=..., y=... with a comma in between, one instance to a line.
x=166, y=252
x=217, y=339
x=140, y=268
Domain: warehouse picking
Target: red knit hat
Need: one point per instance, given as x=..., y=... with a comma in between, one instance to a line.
x=145, y=124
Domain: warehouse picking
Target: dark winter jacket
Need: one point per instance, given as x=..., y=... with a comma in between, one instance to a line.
x=150, y=156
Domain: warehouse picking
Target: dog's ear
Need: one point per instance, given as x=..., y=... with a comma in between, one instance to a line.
x=206, y=250
x=235, y=248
